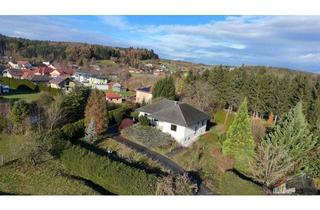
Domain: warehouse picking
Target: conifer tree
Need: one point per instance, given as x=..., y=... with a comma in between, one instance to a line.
x=165, y=88
x=286, y=150
x=239, y=142
x=91, y=134
x=96, y=110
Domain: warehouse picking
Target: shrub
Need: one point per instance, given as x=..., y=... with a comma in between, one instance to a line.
x=143, y=120
x=176, y=185
x=3, y=123
x=148, y=136
x=225, y=163
x=112, y=175
x=74, y=130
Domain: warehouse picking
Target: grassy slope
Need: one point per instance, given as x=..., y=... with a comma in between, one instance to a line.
x=44, y=179
x=29, y=97
x=200, y=156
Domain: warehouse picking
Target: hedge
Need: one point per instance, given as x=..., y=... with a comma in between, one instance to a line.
x=74, y=130
x=114, y=176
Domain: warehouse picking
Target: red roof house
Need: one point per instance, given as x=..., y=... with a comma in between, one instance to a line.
x=113, y=97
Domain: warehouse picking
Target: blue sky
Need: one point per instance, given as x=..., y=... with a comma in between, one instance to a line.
x=284, y=41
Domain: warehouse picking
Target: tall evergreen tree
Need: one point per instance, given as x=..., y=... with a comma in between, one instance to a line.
x=91, y=134
x=239, y=142
x=165, y=88
x=288, y=149
x=96, y=110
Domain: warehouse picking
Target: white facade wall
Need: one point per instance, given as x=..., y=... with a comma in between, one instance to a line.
x=183, y=135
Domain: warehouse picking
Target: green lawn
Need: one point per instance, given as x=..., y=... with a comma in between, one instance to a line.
x=44, y=179
x=28, y=97
x=7, y=146
x=109, y=63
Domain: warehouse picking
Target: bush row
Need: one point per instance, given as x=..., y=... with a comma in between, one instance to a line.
x=114, y=176
x=74, y=130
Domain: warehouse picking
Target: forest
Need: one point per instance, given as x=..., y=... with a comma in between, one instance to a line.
x=80, y=53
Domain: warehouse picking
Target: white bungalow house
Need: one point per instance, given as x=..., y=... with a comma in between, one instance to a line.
x=182, y=121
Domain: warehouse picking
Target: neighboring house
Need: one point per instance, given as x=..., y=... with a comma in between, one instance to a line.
x=182, y=121
x=64, y=83
x=163, y=67
x=114, y=86
x=98, y=82
x=143, y=95
x=43, y=70
x=24, y=64
x=39, y=79
x=62, y=72
x=13, y=65
x=4, y=89
x=12, y=73
x=298, y=185
x=48, y=64
x=82, y=76
x=149, y=65
x=113, y=98
x=26, y=74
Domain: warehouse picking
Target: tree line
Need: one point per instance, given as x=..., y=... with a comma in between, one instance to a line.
x=267, y=93
x=69, y=51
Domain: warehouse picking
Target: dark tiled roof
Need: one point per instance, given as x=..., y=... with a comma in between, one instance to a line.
x=15, y=72
x=145, y=89
x=57, y=80
x=39, y=78
x=174, y=112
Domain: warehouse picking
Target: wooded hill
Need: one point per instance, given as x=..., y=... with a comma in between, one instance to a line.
x=80, y=53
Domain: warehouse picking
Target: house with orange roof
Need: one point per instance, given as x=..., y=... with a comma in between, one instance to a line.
x=113, y=98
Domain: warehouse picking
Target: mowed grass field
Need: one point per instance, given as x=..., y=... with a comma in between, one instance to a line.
x=22, y=95
x=47, y=178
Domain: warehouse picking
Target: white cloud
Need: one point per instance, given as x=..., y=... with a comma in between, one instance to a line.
x=311, y=57
x=288, y=41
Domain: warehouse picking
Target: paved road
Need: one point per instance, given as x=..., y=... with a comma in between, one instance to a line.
x=164, y=161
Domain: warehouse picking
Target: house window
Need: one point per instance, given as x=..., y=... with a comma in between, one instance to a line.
x=203, y=122
x=173, y=127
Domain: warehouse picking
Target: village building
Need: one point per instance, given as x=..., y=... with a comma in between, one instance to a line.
x=113, y=98
x=99, y=82
x=39, y=79
x=115, y=86
x=182, y=121
x=13, y=65
x=24, y=64
x=82, y=76
x=143, y=95
x=12, y=73
x=4, y=89
x=62, y=72
x=64, y=83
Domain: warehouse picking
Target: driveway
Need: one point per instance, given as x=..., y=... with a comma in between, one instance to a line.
x=162, y=160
